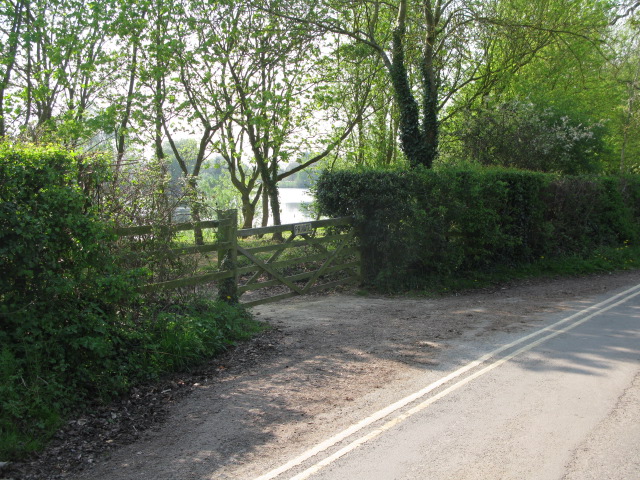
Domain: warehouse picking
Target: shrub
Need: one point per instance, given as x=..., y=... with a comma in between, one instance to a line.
x=434, y=223
x=524, y=135
x=73, y=330
x=59, y=290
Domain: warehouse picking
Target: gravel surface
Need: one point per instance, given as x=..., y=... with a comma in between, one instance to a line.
x=326, y=361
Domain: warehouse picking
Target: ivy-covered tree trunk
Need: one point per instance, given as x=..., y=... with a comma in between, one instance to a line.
x=430, y=88
x=419, y=143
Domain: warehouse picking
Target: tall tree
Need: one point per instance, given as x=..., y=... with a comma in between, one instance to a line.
x=192, y=91
x=12, y=14
x=130, y=31
x=359, y=84
x=61, y=68
x=585, y=79
x=432, y=49
x=260, y=81
x=625, y=67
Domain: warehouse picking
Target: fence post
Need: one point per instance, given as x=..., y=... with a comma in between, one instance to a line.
x=228, y=254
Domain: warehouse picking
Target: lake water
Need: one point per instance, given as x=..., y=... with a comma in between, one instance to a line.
x=291, y=202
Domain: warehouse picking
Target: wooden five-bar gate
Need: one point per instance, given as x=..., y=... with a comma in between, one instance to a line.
x=252, y=269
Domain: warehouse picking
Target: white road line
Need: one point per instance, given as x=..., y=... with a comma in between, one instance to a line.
x=596, y=309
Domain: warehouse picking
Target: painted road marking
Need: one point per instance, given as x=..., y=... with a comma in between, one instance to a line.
x=379, y=415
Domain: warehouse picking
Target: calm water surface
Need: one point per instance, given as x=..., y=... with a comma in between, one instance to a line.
x=291, y=202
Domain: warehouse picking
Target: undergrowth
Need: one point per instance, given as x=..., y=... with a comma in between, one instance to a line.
x=36, y=396
x=601, y=261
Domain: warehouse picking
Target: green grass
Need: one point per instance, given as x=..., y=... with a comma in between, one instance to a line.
x=187, y=237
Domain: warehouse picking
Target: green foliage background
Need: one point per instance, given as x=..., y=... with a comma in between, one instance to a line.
x=524, y=135
x=420, y=226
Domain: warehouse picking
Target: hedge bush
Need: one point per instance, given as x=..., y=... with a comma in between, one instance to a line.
x=72, y=328
x=429, y=223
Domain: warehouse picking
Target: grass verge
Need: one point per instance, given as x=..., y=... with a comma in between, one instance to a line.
x=36, y=395
x=602, y=260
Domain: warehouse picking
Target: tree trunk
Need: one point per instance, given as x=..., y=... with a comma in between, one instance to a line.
x=412, y=137
x=121, y=136
x=265, y=208
x=192, y=184
x=272, y=190
x=10, y=61
x=158, y=103
x=248, y=210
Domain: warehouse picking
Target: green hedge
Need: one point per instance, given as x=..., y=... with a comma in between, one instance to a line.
x=72, y=329
x=429, y=223
x=61, y=334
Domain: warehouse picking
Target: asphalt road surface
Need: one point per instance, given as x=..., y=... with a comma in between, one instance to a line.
x=560, y=402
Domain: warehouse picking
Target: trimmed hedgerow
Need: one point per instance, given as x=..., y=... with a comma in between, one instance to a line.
x=72, y=328
x=380, y=210
x=60, y=336
x=429, y=223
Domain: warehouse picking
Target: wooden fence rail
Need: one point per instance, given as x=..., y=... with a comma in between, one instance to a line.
x=314, y=255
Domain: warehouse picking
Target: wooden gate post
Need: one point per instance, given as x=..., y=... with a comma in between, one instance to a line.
x=228, y=254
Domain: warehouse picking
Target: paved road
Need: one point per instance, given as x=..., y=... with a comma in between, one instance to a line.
x=562, y=403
